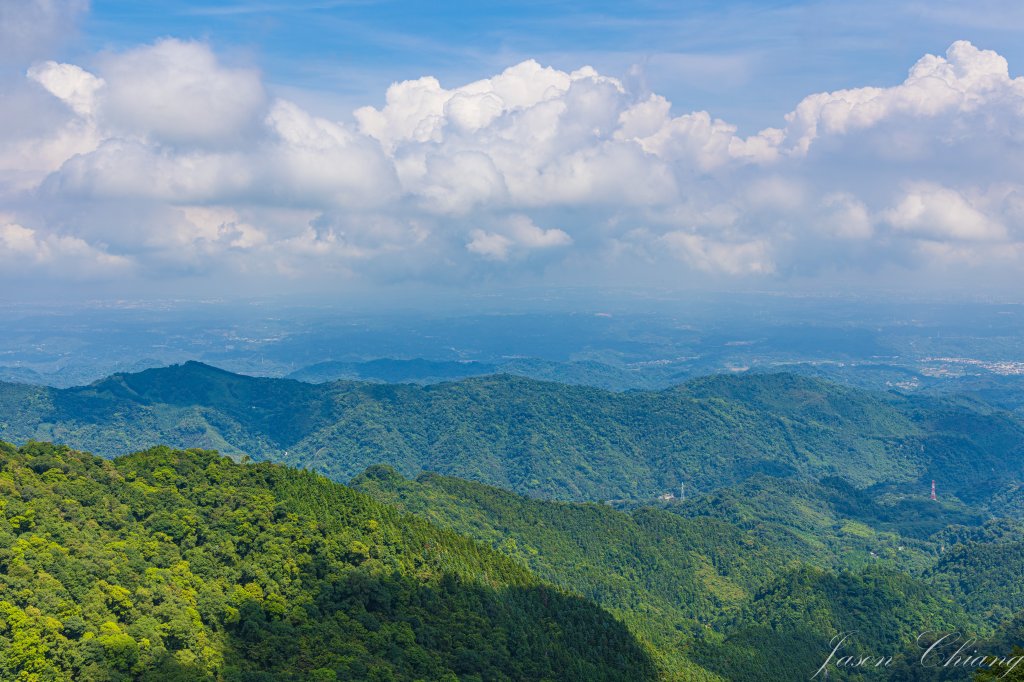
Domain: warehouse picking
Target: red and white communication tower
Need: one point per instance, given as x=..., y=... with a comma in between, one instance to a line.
x=933, y=490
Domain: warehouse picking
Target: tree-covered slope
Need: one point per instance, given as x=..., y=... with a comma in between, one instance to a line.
x=177, y=565
x=830, y=522
x=540, y=438
x=666, y=576
x=787, y=630
x=983, y=567
x=746, y=598
x=647, y=560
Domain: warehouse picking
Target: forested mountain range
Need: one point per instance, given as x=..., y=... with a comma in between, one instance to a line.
x=806, y=515
x=546, y=439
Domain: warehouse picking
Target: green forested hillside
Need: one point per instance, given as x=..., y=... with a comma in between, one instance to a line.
x=545, y=439
x=697, y=569
x=183, y=565
x=787, y=629
x=987, y=577
x=752, y=587
x=832, y=523
x=667, y=576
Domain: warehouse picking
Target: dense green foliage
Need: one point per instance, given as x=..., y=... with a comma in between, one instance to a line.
x=545, y=439
x=986, y=576
x=1011, y=669
x=172, y=565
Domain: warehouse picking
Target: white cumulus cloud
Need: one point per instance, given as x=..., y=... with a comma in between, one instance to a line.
x=178, y=92
x=24, y=250
x=941, y=213
x=166, y=156
x=967, y=80
x=516, y=235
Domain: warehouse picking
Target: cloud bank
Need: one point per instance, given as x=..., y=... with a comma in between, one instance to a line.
x=165, y=161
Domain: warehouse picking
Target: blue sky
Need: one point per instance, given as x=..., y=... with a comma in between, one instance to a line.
x=747, y=62
x=170, y=148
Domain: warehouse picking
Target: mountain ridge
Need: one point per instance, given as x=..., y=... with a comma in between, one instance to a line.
x=542, y=438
